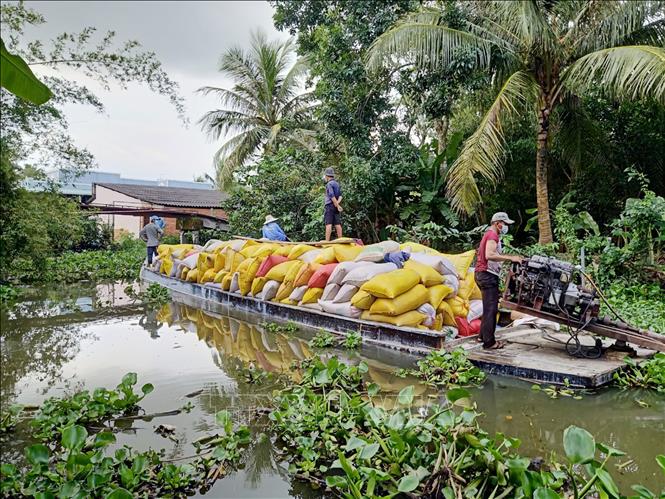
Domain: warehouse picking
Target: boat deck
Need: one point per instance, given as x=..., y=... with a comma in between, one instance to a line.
x=528, y=354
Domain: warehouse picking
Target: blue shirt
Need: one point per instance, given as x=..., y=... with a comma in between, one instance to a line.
x=397, y=257
x=333, y=190
x=273, y=232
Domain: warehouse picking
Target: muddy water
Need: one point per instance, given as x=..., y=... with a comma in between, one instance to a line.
x=63, y=339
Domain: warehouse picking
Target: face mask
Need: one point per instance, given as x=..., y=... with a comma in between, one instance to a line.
x=504, y=230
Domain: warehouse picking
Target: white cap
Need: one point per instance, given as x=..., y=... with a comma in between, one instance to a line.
x=502, y=216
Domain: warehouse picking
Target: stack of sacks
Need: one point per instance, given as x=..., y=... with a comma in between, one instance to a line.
x=397, y=296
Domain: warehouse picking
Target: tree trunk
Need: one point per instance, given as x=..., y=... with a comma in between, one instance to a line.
x=441, y=129
x=542, y=167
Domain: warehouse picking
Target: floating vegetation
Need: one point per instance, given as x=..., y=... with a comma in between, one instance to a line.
x=555, y=391
x=352, y=340
x=288, y=328
x=323, y=339
x=443, y=368
x=648, y=374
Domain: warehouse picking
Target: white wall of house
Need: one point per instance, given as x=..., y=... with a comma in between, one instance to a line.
x=119, y=223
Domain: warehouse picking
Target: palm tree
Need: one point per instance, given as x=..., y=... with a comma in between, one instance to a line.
x=263, y=108
x=550, y=52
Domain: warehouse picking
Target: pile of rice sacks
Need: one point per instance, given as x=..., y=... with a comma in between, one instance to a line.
x=433, y=289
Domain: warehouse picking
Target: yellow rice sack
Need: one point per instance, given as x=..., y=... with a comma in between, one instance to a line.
x=233, y=259
x=362, y=300
x=283, y=250
x=391, y=284
x=264, y=250
x=462, y=262
x=409, y=319
x=438, y=293
x=226, y=282
x=447, y=314
x=249, y=268
x=299, y=250
x=312, y=295
x=288, y=301
x=428, y=276
x=284, y=291
x=193, y=275
x=466, y=286
x=346, y=252
x=166, y=266
x=290, y=277
x=257, y=285
x=403, y=303
x=208, y=276
x=278, y=272
x=205, y=261
x=219, y=261
x=219, y=276
x=459, y=306
x=304, y=273
x=417, y=248
x=183, y=273
x=326, y=256
x=438, y=322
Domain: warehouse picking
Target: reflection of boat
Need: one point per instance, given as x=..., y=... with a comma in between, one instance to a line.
x=271, y=351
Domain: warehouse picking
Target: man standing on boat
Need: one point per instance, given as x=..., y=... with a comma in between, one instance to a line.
x=333, y=209
x=488, y=268
x=272, y=231
x=151, y=234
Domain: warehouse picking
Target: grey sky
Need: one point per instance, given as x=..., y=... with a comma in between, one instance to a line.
x=141, y=135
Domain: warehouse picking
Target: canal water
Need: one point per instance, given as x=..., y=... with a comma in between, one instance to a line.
x=61, y=339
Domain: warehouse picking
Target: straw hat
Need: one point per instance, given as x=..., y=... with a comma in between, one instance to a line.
x=270, y=219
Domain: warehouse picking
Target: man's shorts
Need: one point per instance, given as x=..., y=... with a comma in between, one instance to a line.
x=331, y=216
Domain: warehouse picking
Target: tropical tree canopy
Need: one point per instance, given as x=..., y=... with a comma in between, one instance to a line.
x=264, y=108
x=544, y=54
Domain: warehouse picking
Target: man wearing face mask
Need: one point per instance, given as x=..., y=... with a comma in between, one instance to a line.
x=488, y=268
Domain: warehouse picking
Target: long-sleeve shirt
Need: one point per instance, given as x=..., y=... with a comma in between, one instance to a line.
x=273, y=232
x=151, y=234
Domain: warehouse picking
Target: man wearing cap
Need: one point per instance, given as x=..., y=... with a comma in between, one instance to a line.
x=272, y=231
x=488, y=268
x=151, y=234
x=333, y=208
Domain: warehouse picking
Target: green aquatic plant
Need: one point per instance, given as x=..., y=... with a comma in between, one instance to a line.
x=647, y=374
x=352, y=340
x=334, y=431
x=10, y=417
x=80, y=466
x=274, y=327
x=153, y=295
x=84, y=407
x=323, y=339
x=443, y=368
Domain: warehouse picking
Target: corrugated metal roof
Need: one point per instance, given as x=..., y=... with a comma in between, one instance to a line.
x=170, y=196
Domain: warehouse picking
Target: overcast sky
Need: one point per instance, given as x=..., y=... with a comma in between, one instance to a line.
x=140, y=136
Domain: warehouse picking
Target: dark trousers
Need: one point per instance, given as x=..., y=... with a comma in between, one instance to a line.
x=489, y=287
x=152, y=251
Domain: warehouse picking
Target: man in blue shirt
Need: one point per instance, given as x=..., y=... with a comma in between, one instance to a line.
x=332, y=214
x=272, y=231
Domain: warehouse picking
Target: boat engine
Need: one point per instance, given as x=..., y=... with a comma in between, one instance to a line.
x=552, y=286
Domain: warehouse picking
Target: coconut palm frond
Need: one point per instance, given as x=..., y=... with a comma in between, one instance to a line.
x=235, y=153
x=221, y=121
x=652, y=33
x=483, y=151
x=636, y=71
x=526, y=21
x=611, y=23
x=419, y=37
x=229, y=98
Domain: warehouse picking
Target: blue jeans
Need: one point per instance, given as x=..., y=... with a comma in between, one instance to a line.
x=152, y=251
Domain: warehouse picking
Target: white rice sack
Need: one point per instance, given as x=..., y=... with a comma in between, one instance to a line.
x=198, y=248
x=345, y=293
x=429, y=312
x=298, y=293
x=439, y=263
x=212, y=245
x=330, y=291
x=309, y=256
x=269, y=290
x=341, y=270
x=156, y=264
x=344, y=309
x=364, y=273
x=312, y=306
x=453, y=282
x=376, y=252
x=235, y=282
x=191, y=261
x=475, y=310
